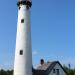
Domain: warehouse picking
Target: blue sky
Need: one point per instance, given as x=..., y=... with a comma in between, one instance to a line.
x=52, y=27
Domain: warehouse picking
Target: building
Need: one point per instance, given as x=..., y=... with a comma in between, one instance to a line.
x=23, y=49
x=49, y=68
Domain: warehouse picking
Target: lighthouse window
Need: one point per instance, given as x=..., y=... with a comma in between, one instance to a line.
x=22, y=20
x=27, y=7
x=19, y=8
x=21, y=52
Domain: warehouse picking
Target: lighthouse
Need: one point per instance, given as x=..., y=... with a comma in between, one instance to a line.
x=23, y=50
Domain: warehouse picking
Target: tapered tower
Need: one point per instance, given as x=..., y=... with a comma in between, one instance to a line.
x=23, y=50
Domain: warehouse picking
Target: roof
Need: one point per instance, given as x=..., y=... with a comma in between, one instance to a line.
x=46, y=68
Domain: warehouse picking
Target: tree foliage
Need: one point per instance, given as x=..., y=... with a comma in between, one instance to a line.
x=69, y=70
x=8, y=72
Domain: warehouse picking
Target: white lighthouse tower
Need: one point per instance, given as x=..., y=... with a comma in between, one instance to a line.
x=23, y=50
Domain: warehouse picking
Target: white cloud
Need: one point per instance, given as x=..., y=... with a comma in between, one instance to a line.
x=34, y=52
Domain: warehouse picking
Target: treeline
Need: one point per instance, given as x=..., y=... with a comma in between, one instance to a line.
x=68, y=69
x=8, y=72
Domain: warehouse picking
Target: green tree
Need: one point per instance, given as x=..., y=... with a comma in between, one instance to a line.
x=2, y=72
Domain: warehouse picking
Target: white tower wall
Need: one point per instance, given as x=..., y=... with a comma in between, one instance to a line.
x=23, y=52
